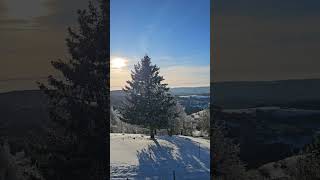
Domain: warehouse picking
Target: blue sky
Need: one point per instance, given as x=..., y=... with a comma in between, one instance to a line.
x=174, y=33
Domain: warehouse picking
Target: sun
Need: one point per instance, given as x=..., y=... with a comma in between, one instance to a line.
x=118, y=63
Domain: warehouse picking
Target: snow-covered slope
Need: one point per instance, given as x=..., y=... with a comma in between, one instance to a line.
x=135, y=156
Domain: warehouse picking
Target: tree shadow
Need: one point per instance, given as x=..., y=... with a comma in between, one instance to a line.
x=182, y=156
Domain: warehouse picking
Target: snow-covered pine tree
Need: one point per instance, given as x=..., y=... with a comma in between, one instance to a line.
x=79, y=103
x=113, y=116
x=204, y=121
x=16, y=167
x=176, y=122
x=148, y=101
x=225, y=159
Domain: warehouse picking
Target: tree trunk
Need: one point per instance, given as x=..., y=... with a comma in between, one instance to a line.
x=151, y=133
x=170, y=132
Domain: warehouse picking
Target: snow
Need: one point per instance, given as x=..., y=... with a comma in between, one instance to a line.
x=136, y=156
x=195, y=96
x=279, y=169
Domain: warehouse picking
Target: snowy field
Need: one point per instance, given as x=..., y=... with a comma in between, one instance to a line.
x=135, y=156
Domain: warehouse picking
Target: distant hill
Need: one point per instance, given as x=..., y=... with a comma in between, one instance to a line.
x=183, y=91
x=23, y=111
x=295, y=93
x=116, y=97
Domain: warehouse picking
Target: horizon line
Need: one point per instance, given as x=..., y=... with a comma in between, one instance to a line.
x=200, y=86
x=290, y=79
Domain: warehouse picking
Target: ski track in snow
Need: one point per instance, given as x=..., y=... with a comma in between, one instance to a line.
x=135, y=156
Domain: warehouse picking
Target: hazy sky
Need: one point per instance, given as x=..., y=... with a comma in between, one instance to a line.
x=32, y=33
x=254, y=40
x=174, y=33
x=266, y=39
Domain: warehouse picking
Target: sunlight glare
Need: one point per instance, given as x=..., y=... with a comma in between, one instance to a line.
x=118, y=63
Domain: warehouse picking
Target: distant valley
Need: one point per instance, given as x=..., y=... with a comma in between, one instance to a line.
x=23, y=111
x=194, y=99
x=303, y=94
x=271, y=120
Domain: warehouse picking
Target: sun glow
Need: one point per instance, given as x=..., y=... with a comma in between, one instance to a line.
x=118, y=63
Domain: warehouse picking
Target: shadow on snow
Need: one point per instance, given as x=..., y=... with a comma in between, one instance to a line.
x=159, y=161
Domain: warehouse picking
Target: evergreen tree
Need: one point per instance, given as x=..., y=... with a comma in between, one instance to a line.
x=176, y=123
x=308, y=162
x=148, y=101
x=79, y=104
x=113, y=117
x=225, y=160
x=16, y=166
x=204, y=122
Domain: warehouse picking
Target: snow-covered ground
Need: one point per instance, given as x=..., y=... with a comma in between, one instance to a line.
x=135, y=156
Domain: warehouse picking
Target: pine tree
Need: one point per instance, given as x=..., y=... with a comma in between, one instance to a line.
x=204, y=121
x=176, y=123
x=16, y=167
x=79, y=103
x=308, y=162
x=225, y=160
x=148, y=101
